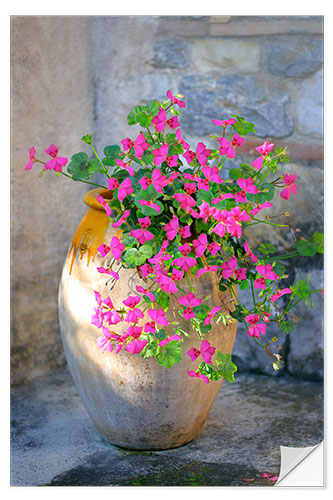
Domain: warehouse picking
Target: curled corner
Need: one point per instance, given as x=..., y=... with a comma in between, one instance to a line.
x=302, y=466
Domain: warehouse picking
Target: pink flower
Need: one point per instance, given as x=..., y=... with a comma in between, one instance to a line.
x=190, y=187
x=159, y=181
x=101, y=200
x=136, y=346
x=213, y=248
x=247, y=185
x=207, y=269
x=219, y=229
x=160, y=120
x=169, y=339
x=134, y=315
x=185, y=262
x=56, y=163
x=117, y=247
x=125, y=189
x=256, y=329
x=145, y=182
x=260, y=207
x=160, y=154
x=142, y=235
x=224, y=123
x=131, y=301
x=237, y=141
x=32, y=159
x=265, y=148
x=166, y=283
x=102, y=270
x=279, y=294
x=189, y=156
x=127, y=143
x=191, y=373
x=210, y=315
x=97, y=317
x=150, y=327
x=200, y=244
x=229, y=267
x=103, y=250
x=112, y=317
x=158, y=316
x=125, y=166
x=291, y=186
x=240, y=274
x=146, y=269
x=212, y=173
x=258, y=163
x=113, y=184
x=235, y=219
x=206, y=351
x=185, y=232
x=202, y=153
x=104, y=342
x=203, y=183
x=122, y=219
x=189, y=300
x=140, y=146
x=172, y=228
x=267, y=272
x=184, y=200
x=145, y=291
x=181, y=139
x=174, y=99
x=177, y=275
x=151, y=204
x=249, y=253
x=193, y=353
x=173, y=122
x=226, y=148
x=206, y=210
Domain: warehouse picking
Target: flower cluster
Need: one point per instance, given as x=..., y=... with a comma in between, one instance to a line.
x=183, y=213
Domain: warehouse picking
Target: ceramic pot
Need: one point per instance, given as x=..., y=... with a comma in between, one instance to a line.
x=134, y=402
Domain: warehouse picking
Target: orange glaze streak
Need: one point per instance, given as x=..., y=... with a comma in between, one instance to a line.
x=91, y=231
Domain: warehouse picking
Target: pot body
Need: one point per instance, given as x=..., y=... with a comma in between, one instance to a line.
x=134, y=402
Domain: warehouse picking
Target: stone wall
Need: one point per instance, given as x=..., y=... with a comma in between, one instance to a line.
x=72, y=75
x=51, y=102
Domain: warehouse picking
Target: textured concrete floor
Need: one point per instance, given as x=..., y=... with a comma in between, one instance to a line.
x=55, y=443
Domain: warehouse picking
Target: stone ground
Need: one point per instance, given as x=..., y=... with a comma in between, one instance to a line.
x=54, y=442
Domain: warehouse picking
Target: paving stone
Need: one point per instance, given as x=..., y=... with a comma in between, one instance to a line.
x=55, y=443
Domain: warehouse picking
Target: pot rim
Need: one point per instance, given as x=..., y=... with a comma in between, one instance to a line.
x=90, y=198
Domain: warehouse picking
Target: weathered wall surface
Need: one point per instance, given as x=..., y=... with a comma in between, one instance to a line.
x=51, y=102
x=267, y=69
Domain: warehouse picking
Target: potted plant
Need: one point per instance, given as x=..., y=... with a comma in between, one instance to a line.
x=148, y=301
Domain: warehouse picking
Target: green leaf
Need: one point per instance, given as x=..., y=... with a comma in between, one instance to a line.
x=133, y=116
x=266, y=248
x=161, y=334
x=152, y=349
x=247, y=170
x=287, y=326
x=204, y=195
x=152, y=107
x=318, y=238
x=129, y=256
x=144, y=253
x=112, y=151
x=226, y=366
x=306, y=248
x=162, y=299
x=147, y=157
x=302, y=289
x=81, y=168
x=235, y=174
x=279, y=268
x=244, y=284
x=170, y=354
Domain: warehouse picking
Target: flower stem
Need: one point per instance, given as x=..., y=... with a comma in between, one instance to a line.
x=189, y=283
x=86, y=182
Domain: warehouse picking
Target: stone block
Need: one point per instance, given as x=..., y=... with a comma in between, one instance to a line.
x=258, y=28
x=295, y=57
x=170, y=54
x=249, y=96
x=182, y=26
x=228, y=55
x=309, y=108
